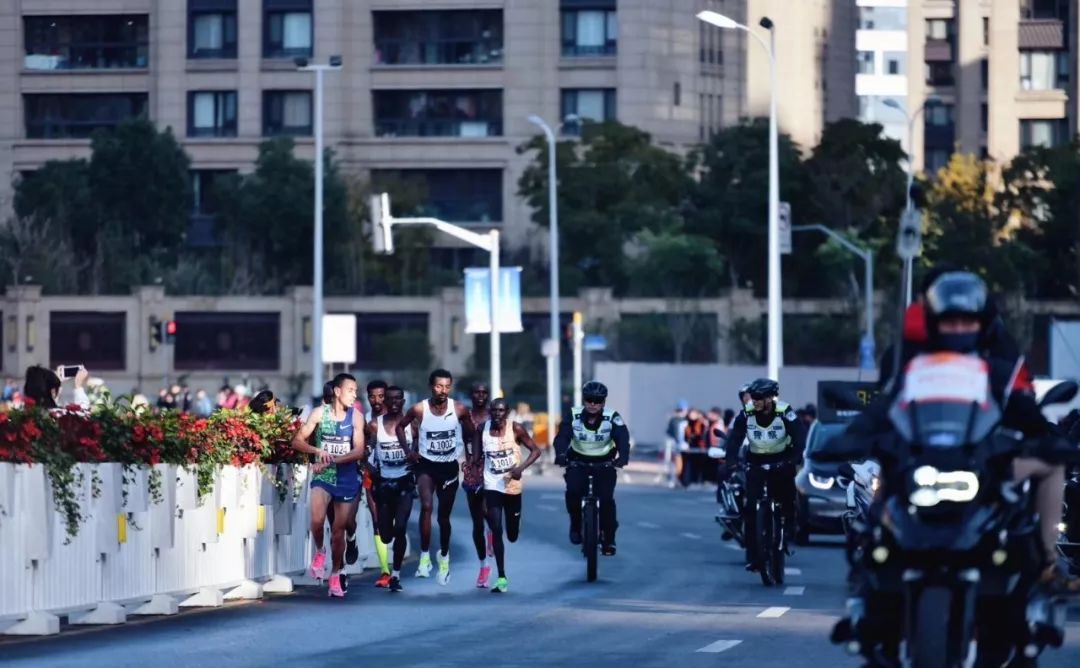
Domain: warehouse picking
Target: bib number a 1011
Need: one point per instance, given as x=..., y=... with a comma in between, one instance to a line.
x=500, y=461
x=391, y=454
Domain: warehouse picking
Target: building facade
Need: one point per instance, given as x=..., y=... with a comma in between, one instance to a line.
x=881, y=79
x=434, y=92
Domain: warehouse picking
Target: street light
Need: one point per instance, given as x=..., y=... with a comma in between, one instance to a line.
x=303, y=65
x=775, y=355
x=910, y=205
x=554, y=370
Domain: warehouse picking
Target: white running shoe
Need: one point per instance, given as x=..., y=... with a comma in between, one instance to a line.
x=444, y=570
x=424, y=569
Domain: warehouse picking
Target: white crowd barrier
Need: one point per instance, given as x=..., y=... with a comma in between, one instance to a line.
x=137, y=556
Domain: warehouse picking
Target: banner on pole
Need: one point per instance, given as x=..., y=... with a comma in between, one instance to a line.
x=478, y=300
x=339, y=339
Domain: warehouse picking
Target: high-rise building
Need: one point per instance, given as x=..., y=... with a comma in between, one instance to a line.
x=996, y=77
x=881, y=79
x=436, y=94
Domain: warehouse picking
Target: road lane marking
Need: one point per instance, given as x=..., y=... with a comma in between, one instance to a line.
x=552, y=497
x=794, y=591
x=691, y=536
x=719, y=646
x=548, y=508
x=772, y=613
x=648, y=525
x=792, y=571
x=733, y=546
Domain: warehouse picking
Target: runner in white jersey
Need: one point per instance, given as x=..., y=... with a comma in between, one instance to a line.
x=394, y=483
x=499, y=440
x=472, y=481
x=376, y=394
x=436, y=455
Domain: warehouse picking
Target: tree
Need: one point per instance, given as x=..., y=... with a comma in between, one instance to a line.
x=612, y=185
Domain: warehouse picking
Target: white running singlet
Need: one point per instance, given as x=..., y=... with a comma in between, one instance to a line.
x=439, y=440
x=389, y=455
x=501, y=455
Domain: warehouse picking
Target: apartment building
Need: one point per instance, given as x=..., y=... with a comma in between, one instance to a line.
x=436, y=92
x=881, y=79
x=998, y=76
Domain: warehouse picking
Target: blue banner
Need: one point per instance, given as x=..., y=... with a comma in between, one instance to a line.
x=478, y=300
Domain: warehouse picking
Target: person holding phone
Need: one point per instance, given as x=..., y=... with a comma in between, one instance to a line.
x=43, y=386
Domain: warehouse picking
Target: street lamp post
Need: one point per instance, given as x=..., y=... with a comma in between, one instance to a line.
x=910, y=205
x=775, y=354
x=554, y=368
x=303, y=65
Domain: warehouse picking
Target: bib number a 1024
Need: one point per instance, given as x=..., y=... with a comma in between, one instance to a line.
x=336, y=447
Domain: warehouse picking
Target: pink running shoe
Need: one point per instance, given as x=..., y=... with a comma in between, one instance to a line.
x=482, y=579
x=317, y=569
x=335, y=587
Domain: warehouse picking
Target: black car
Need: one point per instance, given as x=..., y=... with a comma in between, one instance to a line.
x=822, y=491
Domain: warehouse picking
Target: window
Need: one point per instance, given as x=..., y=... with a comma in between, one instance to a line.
x=986, y=30
x=589, y=32
x=54, y=116
x=1048, y=133
x=882, y=18
x=1044, y=9
x=438, y=113
x=939, y=29
x=287, y=29
x=984, y=73
x=1044, y=70
x=455, y=195
x=468, y=37
x=709, y=46
x=936, y=158
x=93, y=338
x=592, y=104
x=223, y=341
x=212, y=114
x=86, y=42
x=939, y=115
x=211, y=28
x=866, y=62
x=676, y=94
x=939, y=74
x=205, y=204
x=895, y=62
x=287, y=112
x=985, y=116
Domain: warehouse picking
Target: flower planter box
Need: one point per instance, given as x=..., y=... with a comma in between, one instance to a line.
x=7, y=489
x=187, y=488
x=282, y=504
x=136, y=489
x=163, y=512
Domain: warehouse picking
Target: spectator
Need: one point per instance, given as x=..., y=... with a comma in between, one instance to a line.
x=10, y=388
x=43, y=387
x=241, y=393
x=263, y=402
x=696, y=436
x=729, y=417
x=202, y=406
x=166, y=401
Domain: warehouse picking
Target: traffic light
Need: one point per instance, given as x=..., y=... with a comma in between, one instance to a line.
x=155, y=333
x=381, y=237
x=170, y=332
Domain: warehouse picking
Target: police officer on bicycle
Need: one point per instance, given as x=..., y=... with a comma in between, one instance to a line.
x=775, y=435
x=594, y=434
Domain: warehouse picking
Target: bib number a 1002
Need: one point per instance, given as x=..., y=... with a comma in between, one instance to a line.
x=441, y=442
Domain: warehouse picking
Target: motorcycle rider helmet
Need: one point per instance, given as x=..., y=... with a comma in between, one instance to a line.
x=764, y=388
x=957, y=293
x=594, y=391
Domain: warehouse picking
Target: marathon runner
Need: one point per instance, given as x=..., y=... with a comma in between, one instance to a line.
x=339, y=446
x=376, y=394
x=498, y=442
x=438, y=420
x=394, y=484
x=473, y=482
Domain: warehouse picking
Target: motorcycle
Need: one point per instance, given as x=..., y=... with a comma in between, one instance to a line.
x=730, y=495
x=862, y=481
x=949, y=566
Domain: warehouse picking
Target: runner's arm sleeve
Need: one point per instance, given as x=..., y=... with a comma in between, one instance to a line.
x=735, y=438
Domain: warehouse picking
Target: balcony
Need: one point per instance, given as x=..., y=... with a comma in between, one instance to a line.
x=393, y=127
x=938, y=51
x=77, y=116
x=443, y=37
x=438, y=113
x=86, y=42
x=1042, y=34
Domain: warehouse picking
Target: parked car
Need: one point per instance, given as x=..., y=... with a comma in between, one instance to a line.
x=822, y=491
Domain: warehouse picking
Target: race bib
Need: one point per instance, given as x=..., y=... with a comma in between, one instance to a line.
x=946, y=377
x=442, y=442
x=391, y=454
x=337, y=446
x=500, y=462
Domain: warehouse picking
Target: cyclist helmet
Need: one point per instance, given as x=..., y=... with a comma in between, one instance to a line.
x=743, y=390
x=763, y=388
x=594, y=390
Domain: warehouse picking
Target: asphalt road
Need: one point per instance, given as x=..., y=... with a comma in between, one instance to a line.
x=674, y=596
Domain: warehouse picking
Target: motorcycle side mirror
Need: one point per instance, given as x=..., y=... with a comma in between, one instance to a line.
x=846, y=470
x=1062, y=393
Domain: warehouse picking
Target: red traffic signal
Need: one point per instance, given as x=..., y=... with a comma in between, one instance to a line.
x=170, y=331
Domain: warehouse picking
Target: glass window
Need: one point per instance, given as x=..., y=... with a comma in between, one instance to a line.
x=93, y=338
x=866, y=62
x=455, y=195
x=1043, y=132
x=287, y=112
x=986, y=30
x=212, y=114
x=936, y=158
x=211, y=29
x=205, y=204
x=939, y=74
x=86, y=42
x=452, y=37
x=939, y=29
x=895, y=62
x=225, y=341
x=1044, y=70
x=53, y=116
x=882, y=18
x=592, y=104
x=287, y=29
x=939, y=115
x=589, y=32
x=438, y=113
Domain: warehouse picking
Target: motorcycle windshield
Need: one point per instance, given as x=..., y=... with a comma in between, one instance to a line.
x=945, y=402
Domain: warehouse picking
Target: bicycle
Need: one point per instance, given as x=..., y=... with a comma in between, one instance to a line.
x=770, y=530
x=590, y=517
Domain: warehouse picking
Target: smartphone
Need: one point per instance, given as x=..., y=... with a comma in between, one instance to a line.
x=69, y=371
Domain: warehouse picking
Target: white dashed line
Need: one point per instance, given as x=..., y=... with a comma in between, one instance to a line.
x=691, y=536
x=792, y=571
x=733, y=546
x=770, y=613
x=552, y=497
x=547, y=508
x=648, y=525
x=794, y=591
x=719, y=646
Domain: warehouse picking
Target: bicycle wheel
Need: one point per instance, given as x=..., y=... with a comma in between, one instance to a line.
x=765, y=542
x=590, y=537
x=778, y=554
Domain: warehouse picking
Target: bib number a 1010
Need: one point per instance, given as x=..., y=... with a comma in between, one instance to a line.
x=500, y=461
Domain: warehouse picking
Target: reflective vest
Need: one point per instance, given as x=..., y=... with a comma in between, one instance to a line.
x=770, y=439
x=593, y=443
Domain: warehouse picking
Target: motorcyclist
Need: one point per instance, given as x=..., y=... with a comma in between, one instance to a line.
x=960, y=317
x=775, y=436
